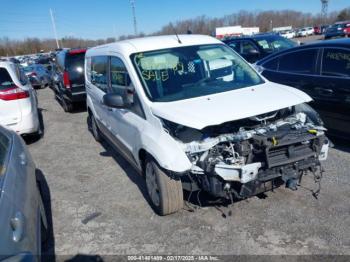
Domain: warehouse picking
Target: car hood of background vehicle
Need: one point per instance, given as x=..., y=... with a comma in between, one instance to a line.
x=228, y=106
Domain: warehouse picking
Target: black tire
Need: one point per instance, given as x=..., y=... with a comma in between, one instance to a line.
x=44, y=231
x=67, y=106
x=168, y=190
x=39, y=134
x=94, y=128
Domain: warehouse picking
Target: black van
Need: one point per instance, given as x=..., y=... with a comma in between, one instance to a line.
x=69, y=85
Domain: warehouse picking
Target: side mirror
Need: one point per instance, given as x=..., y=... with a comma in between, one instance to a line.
x=113, y=100
x=253, y=52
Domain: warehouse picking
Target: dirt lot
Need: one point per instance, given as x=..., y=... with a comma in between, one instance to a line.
x=99, y=204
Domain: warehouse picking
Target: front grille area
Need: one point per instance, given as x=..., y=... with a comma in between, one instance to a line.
x=277, y=156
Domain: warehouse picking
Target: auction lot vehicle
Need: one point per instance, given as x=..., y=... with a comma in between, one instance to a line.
x=38, y=75
x=189, y=113
x=18, y=101
x=258, y=46
x=288, y=34
x=339, y=29
x=22, y=214
x=69, y=85
x=306, y=31
x=321, y=70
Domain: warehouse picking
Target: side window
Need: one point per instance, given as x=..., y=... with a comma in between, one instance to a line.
x=234, y=46
x=336, y=62
x=120, y=84
x=99, y=65
x=303, y=62
x=119, y=76
x=271, y=64
x=247, y=47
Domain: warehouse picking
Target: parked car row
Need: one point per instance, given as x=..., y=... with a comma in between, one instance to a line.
x=258, y=46
x=188, y=113
x=338, y=29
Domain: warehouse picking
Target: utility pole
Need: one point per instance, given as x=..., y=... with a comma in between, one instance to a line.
x=132, y=2
x=271, y=26
x=54, y=28
x=324, y=10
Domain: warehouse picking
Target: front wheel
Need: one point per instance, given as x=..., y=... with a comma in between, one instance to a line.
x=94, y=128
x=165, y=192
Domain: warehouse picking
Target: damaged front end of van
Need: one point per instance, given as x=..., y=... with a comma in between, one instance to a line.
x=242, y=158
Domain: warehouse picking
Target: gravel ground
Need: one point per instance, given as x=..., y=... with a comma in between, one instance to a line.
x=99, y=205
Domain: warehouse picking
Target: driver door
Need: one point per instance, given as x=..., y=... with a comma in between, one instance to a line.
x=126, y=123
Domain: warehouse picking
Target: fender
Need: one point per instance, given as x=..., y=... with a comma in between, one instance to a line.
x=165, y=150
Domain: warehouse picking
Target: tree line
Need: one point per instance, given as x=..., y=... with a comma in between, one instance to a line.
x=266, y=20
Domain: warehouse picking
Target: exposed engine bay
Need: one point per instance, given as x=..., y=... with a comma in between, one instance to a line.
x=250, y=156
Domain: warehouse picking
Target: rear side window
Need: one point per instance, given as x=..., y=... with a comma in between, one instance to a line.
x=99, y=67
x=5, y=79
x=4, y=148
x=75, y=63
x=302, y=62
x=336, y=62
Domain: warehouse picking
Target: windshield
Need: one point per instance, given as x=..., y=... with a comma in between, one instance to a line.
x=275, y=43
x=187, y=72
x=28, y=69
x=338, y=26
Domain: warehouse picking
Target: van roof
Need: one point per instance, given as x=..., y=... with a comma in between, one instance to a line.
x=145, y=44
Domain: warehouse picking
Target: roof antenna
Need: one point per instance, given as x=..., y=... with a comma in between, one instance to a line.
x=178, y=38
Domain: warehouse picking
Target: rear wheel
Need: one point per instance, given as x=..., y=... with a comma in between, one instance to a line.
x=44, y=231
x=165, y=192
x=67, y=106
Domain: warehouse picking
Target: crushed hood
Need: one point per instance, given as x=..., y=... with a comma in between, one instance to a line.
x=223, y=107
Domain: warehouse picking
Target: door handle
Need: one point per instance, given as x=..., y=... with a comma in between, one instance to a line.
x=324, y=91
x=17, y=225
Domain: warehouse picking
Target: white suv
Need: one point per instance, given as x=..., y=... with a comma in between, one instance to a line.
x=18, y=101
x=190, y=114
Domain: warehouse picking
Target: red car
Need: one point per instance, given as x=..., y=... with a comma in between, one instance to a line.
x=339, y=29
x=317, y=30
